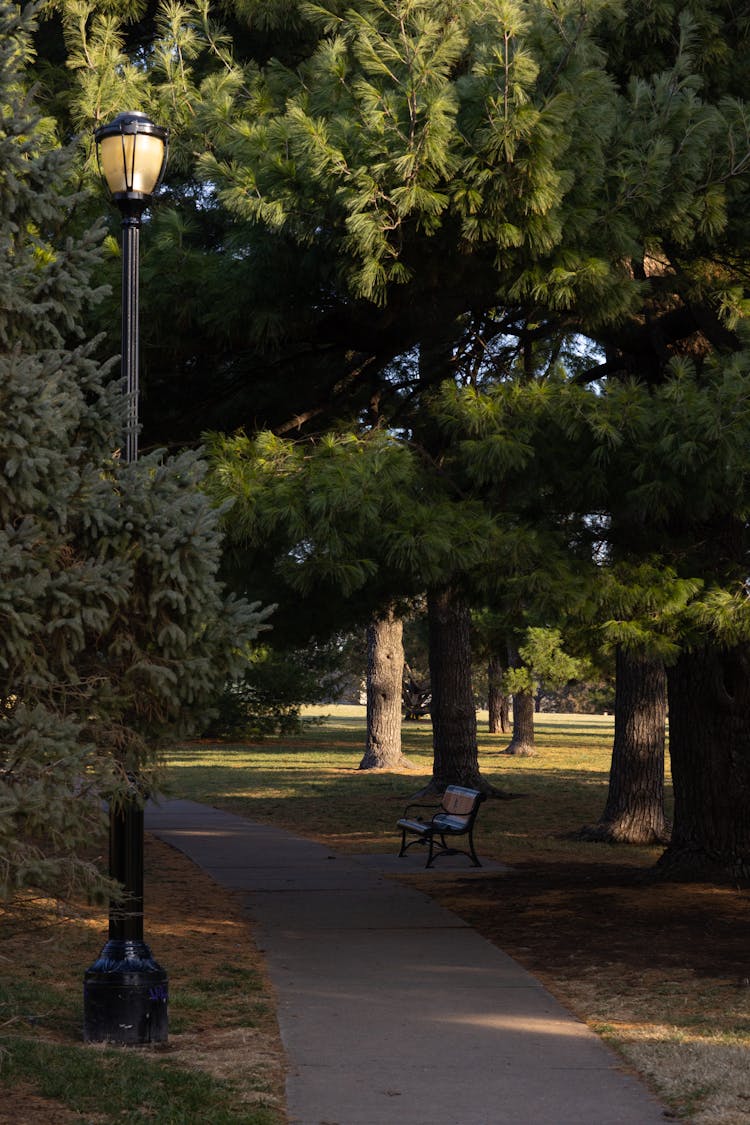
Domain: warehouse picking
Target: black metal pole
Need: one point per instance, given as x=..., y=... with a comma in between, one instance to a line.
x=131, y=244
x=125, y=992
x=126, y=866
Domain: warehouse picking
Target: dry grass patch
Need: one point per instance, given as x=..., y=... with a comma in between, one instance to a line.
x=223, y=1032
x=658, y=970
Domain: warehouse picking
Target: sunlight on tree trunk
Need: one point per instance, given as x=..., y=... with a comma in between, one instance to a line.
x=634, y=812
x=522, y=744
x=385, y=673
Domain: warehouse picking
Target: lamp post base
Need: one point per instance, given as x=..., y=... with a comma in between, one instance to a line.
x=125, y=996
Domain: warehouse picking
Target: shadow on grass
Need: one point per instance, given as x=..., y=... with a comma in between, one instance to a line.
x=311, y=784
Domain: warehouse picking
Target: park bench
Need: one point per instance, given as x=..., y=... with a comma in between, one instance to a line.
x=454, y=816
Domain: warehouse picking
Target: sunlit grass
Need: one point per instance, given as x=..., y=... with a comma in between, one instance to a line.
x=311, y=784
x=686, y=1031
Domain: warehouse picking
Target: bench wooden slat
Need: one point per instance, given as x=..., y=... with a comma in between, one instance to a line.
x=460, y=801
x=454, y=816
x=444, y=822
x=420, y=826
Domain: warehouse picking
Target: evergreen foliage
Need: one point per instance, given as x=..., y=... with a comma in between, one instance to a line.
x=413, y=118
x=267, y=698
x=545, y=663
x=358, y=517
x=113, y=629
x=395, y=171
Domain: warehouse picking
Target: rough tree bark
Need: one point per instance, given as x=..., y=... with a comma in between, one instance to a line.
x=385, y=673
x=634, y=812
x=522, y=743
x=709, y=728
x=497, y=700
x=454, y=720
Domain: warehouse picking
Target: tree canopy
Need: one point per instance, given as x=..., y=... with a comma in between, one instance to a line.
x=371, y=194
x=115, y=630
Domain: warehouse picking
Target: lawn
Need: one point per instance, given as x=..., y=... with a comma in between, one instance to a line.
x=312, y=785
x=659, y=971
x=223, y=1063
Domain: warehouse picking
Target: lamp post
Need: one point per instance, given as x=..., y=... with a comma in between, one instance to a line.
x=125, y=991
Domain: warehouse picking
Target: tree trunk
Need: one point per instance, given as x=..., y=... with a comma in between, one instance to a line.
x=522, y=744
x=385, y=673
x=497, y=700
x=634, y=812
x=415, y=696
x=454, y=718
x=709, y=728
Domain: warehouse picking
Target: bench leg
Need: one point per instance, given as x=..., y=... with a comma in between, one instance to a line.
x=418, y=839
x=473, y=854
x=429, y=839
x=446, y=850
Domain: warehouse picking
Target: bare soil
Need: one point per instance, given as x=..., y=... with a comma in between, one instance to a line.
x=562, y=919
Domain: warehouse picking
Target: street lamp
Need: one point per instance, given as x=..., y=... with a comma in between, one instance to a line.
x=125, y=991
x=132, y=157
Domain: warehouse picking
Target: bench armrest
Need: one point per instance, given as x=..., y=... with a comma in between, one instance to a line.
x=432, y=808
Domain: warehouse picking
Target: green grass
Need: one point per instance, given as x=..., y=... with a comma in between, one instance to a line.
x=670, y=1022
x=242, y=990
x=311, y=784
x=117, y=1085
x=222, y=1062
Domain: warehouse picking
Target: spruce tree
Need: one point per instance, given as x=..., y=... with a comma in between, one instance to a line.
x=114, y=630
x=586, y=163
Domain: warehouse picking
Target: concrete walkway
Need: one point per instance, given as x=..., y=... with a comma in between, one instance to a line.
x=392, y=1010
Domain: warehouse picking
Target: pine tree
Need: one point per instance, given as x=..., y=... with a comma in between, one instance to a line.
x=578, y=164
x=385, y=677
x=672, y=460
x=634, y=811
x=497, y=698
x=490, y=645
x=352, y=522
x=638, y=618
x=114, y=629
x=415, y=160
x=538, y=660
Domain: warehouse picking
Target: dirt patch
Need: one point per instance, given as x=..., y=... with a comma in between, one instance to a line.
x=21, y=1106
